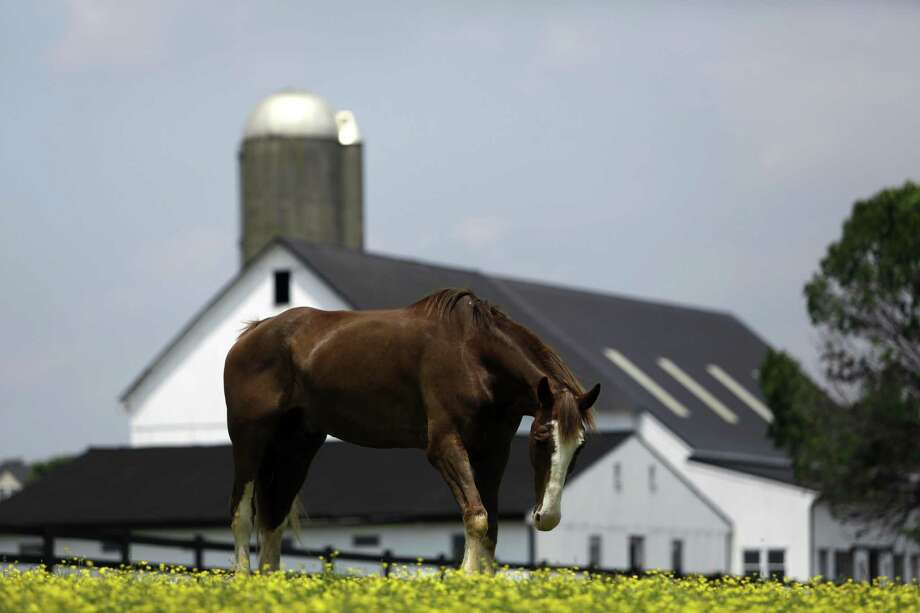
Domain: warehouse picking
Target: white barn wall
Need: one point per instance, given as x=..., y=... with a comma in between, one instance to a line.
x=9, y=485
x=181, y=400
x=766, y=514
x=833, y=535
x=591, y=505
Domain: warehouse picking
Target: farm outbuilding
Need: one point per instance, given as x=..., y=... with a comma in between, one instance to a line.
x=681, y=474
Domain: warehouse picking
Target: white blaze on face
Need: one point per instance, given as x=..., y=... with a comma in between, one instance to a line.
x=549, y=512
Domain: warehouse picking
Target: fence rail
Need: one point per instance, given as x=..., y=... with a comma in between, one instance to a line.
x=200, y=545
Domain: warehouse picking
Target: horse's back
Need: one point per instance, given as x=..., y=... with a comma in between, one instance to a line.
x=350, y=373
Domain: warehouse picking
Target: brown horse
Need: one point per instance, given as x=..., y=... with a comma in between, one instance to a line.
x=449, y=374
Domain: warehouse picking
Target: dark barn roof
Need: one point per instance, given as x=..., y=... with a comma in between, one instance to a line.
x=580, y=325
x=189, y=486
x=778, y=471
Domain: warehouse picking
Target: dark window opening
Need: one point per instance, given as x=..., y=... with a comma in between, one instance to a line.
x=366, y=540
x=751, y=563
x=282, y=287
x=31, y=549
x=111, y=547
x=899, y=567
x=915, y=566
x=822, y=564
x=594, y=550
x=457, y=546
x=287, y=542
x=776, y=564
x=636, y=553
x=873, y=564
x=677, y=556
x=843, y=565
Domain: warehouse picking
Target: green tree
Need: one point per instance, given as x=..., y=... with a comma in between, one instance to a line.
x=860, y=446
x=41, y=468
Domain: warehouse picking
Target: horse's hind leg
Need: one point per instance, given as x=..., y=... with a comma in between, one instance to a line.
x=249, y=441
x=281, y=476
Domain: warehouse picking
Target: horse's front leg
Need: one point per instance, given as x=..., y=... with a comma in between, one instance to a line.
x=449, y=456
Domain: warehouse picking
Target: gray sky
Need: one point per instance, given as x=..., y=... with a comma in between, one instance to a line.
x=701, y=153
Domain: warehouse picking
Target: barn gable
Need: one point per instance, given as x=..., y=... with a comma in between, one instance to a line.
x=178, y=398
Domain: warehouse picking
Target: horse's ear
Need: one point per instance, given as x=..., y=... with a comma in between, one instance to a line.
x=545, y=395
x=587, y=400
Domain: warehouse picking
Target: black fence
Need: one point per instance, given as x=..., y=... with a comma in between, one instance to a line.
x=199, y=545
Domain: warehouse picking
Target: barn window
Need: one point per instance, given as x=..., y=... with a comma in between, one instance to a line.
x=751, y=563
x=110, y=546
x=282, y=287
x=843, y=565
x=366, y=540
x=822, y=564
x=636, y=553
x=898, y=573
x=677, y=556
x=915, y=566
x=594, y=550
x=652, y=480
x=776, y=563
x=617, y=477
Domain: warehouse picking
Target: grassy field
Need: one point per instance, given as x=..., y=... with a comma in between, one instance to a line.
x=115, y=590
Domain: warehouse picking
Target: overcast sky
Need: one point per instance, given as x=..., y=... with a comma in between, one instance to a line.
x=696, y=153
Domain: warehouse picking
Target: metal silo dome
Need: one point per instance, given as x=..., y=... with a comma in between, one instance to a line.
x=301, y=174
x=292, y=113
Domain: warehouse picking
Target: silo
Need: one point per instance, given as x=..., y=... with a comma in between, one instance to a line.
x=297, y=180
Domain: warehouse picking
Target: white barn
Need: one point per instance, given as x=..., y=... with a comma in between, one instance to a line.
x=691, y=484
x=682, y=475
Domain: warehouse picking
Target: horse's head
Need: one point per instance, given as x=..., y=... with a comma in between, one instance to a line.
x=556, y=436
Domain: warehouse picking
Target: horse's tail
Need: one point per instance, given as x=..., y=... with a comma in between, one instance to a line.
x=293, y=518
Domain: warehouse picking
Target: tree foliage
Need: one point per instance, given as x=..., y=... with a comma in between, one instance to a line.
x=43, y=467
x=860, y=447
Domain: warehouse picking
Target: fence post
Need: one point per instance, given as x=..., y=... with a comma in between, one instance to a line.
x=199, y=552
x=125, y=546
x=442, y=565
x=387, y=562
x=48, y=549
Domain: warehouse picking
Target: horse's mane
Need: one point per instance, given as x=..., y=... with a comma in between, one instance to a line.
x=441, y=304
x=249, y=326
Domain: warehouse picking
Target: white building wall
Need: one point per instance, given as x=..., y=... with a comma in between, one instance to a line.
x=834, y=536
x=592, y=505
x=766, y=514
x=181, y=400
x=9, y=485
